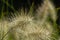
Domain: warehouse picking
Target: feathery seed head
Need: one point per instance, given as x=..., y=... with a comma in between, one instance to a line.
x=24, y=26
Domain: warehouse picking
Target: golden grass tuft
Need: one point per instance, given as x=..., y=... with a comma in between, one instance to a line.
x=28, y=27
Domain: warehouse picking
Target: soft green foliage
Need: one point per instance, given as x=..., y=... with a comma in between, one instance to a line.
x=23, y=26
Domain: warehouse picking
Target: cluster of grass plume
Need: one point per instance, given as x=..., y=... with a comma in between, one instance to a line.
x=26, y=26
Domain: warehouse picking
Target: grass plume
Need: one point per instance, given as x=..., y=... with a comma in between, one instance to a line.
x=25, y=26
